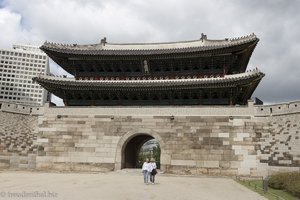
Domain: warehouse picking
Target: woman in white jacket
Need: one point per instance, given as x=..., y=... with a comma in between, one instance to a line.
x=145, y=170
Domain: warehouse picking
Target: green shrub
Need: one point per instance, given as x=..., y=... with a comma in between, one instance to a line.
x=289, y=181
x=277, y=181
x=293, y=186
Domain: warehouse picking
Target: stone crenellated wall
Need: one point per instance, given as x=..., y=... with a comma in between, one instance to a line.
x=230, y=140
x=277, y=109
x=278, y=143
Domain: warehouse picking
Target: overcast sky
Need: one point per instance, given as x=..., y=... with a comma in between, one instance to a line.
x=275, y=22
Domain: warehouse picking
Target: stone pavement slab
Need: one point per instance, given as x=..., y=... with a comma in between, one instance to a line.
x=116, y=186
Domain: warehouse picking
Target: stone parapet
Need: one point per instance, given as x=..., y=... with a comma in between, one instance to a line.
x=277, y=109
x=20, y=108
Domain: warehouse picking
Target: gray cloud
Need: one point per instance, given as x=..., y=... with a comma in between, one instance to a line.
x=275, y=22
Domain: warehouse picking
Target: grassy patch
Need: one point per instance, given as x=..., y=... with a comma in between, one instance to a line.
x=272, y=194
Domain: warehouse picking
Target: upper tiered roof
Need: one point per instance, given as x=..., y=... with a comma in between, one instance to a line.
x=105, y=48
x=203, y=56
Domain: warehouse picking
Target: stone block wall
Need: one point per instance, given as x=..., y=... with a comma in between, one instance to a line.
x=278, y=143
x=212, y=145
x=189, y=144
x=77, y=142
x=18, y=148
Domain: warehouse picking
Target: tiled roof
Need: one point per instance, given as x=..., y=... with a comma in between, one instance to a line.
x=105, y=48
x=226, y=81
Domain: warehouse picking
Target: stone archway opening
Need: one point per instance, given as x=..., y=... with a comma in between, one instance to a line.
x=137, y=149
x=149, y=149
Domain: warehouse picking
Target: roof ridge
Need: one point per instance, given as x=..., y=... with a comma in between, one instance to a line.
x=155, y=43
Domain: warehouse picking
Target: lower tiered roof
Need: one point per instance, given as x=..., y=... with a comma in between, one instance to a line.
x=239, y=86
x=53, y=82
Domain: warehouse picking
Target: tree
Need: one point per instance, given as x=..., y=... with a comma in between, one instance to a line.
x=143, y=154
x=156, y=155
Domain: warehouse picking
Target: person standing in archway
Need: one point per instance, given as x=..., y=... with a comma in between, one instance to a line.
x=145, y=170
x=153, y=170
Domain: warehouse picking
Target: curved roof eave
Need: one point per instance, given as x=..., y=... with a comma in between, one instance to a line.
x=107, y=49
x=228, y=79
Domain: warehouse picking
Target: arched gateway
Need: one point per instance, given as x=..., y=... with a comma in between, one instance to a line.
x=130, y=144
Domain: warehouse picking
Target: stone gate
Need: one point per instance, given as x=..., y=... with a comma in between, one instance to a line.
x=230, y=140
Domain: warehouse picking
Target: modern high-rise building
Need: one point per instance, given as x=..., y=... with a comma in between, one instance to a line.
x=17, y=68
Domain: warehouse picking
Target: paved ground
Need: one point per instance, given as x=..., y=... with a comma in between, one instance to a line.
x=117, y=186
